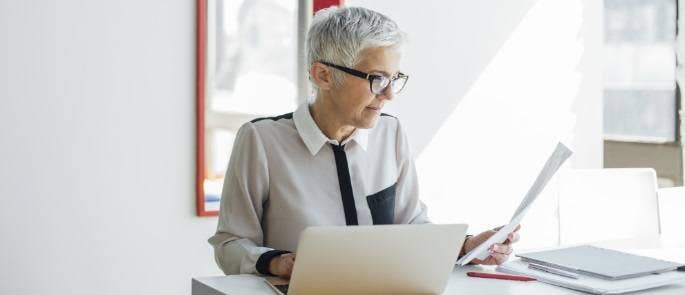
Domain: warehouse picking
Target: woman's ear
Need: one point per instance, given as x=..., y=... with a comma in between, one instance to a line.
x=321, y=75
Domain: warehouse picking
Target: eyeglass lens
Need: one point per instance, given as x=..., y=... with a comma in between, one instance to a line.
x=379, y=84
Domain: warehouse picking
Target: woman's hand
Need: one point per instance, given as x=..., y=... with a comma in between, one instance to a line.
x=499, y=253
x=282, y=265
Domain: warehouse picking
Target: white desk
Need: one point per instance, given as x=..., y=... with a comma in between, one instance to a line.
x=459, y=283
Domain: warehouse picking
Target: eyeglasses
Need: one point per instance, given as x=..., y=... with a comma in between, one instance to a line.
x=377, y=83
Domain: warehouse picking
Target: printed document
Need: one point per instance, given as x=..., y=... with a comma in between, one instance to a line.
x=559, y=156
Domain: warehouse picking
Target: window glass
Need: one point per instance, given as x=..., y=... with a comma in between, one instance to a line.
x=639, y=74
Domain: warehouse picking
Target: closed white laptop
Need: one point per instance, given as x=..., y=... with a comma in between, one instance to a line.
x=380, y=259
x=599, y=262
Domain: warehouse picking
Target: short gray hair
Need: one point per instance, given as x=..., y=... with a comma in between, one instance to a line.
x=338, y=35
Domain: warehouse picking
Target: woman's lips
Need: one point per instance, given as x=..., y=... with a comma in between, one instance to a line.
x=375, y=109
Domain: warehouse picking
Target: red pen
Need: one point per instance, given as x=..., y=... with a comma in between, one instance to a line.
x=498, y=276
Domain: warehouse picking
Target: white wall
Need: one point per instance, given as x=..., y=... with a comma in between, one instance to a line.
x=97, y=148
x=588, y=141
x=452, y=43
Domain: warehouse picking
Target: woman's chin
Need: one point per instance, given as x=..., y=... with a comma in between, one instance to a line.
x=368, y=122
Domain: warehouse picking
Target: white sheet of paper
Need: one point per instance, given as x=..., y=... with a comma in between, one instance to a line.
x=592, y=284
x=559, y=156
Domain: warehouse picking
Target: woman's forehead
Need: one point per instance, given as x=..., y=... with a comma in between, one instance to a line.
x=385, y=60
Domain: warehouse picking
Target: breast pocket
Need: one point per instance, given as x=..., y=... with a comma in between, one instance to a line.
x=382, y=205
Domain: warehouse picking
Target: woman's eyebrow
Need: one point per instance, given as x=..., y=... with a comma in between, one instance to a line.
x=382, y=72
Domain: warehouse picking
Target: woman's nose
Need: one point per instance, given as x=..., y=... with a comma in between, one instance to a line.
x=387, y=94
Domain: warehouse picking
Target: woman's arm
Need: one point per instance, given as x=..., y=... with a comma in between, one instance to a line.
x=239, y=238
x=408, y=206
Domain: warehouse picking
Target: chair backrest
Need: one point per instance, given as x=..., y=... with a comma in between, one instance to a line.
x=671, y=209
x=607, y=204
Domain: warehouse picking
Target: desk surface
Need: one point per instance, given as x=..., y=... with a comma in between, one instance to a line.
x=459, y=283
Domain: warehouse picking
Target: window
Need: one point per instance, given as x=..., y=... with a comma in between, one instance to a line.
x=250, y=51
x=639, y=84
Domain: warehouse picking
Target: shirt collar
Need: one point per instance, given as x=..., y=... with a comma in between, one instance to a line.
x=312, y=136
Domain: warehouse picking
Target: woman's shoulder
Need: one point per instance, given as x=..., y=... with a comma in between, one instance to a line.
x=388, y=123
x=270, y=123
x=286, y=116
x=389, y=116
x=266, y=127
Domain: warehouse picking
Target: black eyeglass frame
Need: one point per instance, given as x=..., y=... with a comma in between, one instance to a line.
x=371, y=77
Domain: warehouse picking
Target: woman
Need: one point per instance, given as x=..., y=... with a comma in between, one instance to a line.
x=336, y=161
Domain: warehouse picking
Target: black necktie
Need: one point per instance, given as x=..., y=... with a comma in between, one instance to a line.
x=345, y=184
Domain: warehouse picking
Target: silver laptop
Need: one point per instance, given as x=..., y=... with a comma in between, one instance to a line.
x=380, y=259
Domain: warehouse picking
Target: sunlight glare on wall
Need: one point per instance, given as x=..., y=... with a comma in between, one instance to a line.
x=487, y=153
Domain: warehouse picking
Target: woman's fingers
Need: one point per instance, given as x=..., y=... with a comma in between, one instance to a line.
x=512, y=238
x=494, y=258
x=499, y=253
x=289, y=262
x=501, y=249
x=499, y=258
x=284, y=265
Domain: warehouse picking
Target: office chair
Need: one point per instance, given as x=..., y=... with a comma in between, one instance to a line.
x=671, y=208
x=607, y=204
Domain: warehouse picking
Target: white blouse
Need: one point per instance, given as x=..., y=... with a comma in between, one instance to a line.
x=285, y=175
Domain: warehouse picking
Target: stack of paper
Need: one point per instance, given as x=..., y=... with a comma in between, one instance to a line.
x=592, y=284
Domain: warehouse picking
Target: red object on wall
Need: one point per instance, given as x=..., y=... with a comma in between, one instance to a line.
x=321, y=4
x=200, y=59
